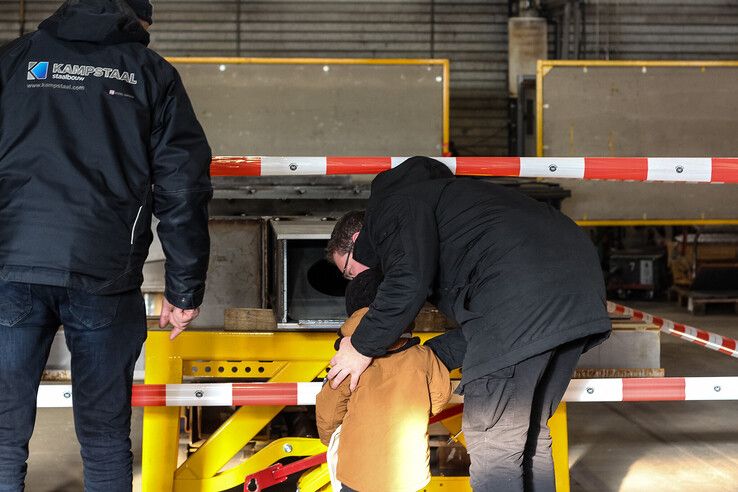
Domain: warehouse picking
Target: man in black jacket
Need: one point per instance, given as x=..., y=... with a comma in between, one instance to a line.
x=520, y=278
x=96, y=133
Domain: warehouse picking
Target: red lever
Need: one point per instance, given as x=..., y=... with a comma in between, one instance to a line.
x=447, y=413
x=256, y=482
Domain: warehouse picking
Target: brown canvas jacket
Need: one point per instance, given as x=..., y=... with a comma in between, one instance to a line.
x=384, y=437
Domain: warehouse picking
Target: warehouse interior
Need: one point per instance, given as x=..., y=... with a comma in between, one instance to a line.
x=530, y=80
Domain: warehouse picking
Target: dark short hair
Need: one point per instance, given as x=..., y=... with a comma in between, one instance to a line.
x=340, y=241
x=362, y=290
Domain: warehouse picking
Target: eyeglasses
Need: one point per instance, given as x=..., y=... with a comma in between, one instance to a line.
x=348, y=257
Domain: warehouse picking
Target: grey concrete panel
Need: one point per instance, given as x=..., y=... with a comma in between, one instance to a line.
x=317, y=109
x=640, y=111
x=234, y=272
x=612, y=200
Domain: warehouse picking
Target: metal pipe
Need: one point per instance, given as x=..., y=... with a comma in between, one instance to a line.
x=21, y=17
x=524, y=82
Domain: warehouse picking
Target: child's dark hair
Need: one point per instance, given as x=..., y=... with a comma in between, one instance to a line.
x=362, y=290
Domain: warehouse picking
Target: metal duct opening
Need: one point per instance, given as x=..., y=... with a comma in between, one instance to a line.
x=324, y=277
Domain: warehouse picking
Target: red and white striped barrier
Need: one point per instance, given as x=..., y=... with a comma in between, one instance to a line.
x=706, y=339
x=256, y=394
x=675, y=169
x=652, y=389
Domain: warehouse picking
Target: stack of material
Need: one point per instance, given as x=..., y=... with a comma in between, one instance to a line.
x=704, y=266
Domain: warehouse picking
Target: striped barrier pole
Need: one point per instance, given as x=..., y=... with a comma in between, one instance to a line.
x=704, y=338
x=673, y=169
x=255, y=394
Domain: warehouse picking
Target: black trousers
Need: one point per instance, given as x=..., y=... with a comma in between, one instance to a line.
x=506, y=421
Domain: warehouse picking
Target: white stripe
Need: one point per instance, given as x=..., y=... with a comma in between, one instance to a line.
x=716, y=340
x=396, y=161
x=450, y=162
x=717, y=388
x=213, y=394
x=293, y=166
x=689, y=169
x=54, y=396
x=307, y=392
x=553, y=167
x=594, y=390
x=690, y=332
x=133, y=230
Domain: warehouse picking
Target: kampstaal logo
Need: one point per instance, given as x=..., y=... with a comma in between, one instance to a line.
x=38, y=70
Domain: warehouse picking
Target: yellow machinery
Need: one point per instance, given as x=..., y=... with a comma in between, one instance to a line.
x=277, y=357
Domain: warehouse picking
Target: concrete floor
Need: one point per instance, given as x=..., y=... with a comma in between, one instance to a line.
x=664, y=446
x=626, y=447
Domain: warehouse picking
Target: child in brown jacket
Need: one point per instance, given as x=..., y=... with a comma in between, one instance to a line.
x=384, y=422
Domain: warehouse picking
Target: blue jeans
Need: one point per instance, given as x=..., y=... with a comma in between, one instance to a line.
x=104, y=335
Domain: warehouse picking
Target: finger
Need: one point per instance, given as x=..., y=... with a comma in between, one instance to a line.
x=336, y=382
x=354, y=381
x=179, y=323
x=333, y=372
x=175, y=332
x=165, y=314
x=179, y=318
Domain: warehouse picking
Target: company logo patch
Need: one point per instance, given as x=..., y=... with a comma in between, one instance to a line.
x=38, y=70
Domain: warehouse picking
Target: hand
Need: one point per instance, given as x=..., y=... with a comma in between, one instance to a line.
x=178, y=317
x=347, y=362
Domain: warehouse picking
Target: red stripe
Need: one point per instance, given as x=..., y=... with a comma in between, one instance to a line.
x=653, y=389
x=680, y=328
x=703, y=335
x=264, y=394
x=729, y=344
x=488, y=166
x=724, y=170
x=622, y=168
x=658, y=321
x=149, y=395
x=357, y=165
x=235, y=166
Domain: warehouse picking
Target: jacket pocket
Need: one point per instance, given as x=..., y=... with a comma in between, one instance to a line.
x=15, y=302
x=93, y=311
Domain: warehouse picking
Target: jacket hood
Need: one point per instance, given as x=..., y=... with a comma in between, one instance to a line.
x=96, y=21
x=410, y=172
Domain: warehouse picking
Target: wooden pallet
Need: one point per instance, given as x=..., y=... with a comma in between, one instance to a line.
x=696, y=301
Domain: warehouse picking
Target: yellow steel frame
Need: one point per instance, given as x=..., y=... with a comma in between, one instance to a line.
x=445, y=63
x=291, y=357
x=545, y=66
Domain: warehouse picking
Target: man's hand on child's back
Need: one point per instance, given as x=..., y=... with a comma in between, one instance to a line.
x=347, y=362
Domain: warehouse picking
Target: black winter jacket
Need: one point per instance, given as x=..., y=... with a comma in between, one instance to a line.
x=96, y=133
x=518, y=276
